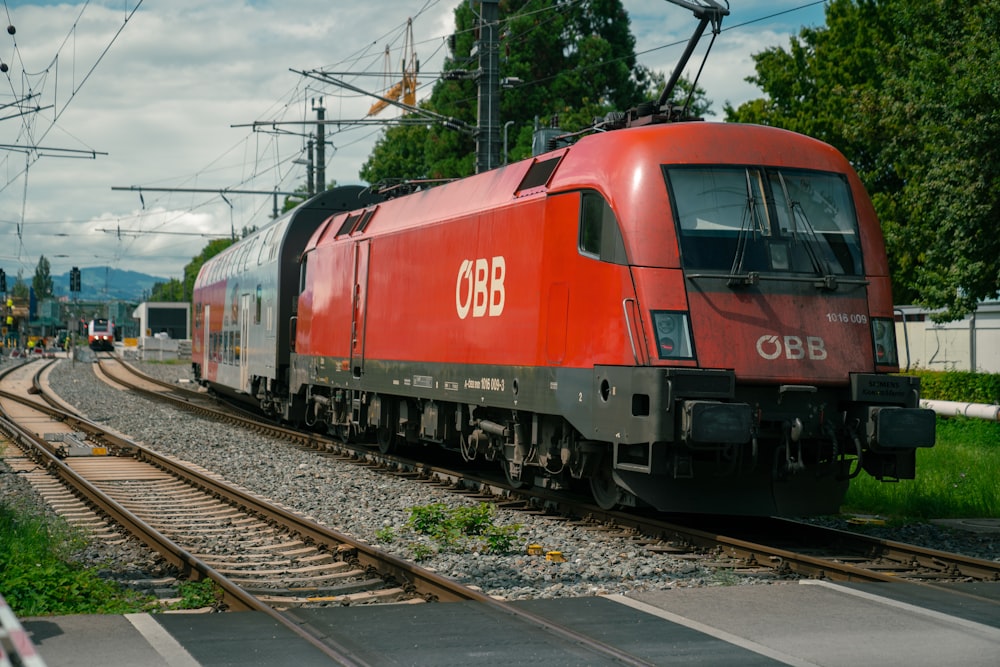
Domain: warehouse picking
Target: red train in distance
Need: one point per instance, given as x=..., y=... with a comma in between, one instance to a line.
x=690, y=316
x=101, y=334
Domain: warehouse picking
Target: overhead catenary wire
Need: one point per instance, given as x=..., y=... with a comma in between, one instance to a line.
x=32, y=149
x=266, y=159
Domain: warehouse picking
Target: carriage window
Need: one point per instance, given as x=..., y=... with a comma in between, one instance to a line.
x=256, y=315
x=741, y=218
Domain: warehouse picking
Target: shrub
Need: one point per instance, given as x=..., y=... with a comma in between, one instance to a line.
x=453, y=527
x=40, y=579
x=963, y=386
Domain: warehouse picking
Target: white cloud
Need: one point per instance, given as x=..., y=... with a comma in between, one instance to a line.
x=163, y=100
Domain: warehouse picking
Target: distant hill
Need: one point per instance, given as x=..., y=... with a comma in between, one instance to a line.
x=102, y=283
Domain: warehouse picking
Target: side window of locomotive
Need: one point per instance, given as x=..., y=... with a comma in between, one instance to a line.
x=302, y=274
x=599, y=236
x=257, y=299
x=590, y=224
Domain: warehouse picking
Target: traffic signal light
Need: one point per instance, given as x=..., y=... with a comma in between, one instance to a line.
x=3, y=281
x=74, y=279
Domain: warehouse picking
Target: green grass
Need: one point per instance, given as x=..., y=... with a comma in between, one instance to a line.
x=957, y=478
x=39, y=578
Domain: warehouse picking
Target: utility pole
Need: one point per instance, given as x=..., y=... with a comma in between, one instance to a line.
x=320, y=146
x=310, y=177
x=488, y=134
x=308, y=162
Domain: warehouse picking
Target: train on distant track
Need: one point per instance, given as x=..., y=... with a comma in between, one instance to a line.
x=691, y=316
x=101, y=334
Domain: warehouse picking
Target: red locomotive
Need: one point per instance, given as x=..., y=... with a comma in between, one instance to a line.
x=692, y=316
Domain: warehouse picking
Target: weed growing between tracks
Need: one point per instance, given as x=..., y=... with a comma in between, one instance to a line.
x=39, y=578
x=197, y=594
x=957, y=478
x=456, y=529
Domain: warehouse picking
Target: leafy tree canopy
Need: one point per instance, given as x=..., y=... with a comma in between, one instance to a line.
x=42, y=282
x=175, y=290
x=909, y=92
x=181, y=290
x=575, y=60
x=20, y=289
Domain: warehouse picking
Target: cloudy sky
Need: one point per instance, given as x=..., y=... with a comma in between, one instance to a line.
x=163, y=94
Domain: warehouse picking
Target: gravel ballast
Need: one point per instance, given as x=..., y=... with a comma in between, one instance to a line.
x=376, y=507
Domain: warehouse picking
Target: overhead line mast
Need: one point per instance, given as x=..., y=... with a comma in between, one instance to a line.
x=488, y=134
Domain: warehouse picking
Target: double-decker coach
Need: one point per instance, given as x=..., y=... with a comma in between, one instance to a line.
x=244, y=298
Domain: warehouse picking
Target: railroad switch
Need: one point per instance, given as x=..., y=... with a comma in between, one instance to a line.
x=74, y=444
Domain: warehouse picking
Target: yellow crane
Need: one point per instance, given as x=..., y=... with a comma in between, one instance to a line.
x=407, y=87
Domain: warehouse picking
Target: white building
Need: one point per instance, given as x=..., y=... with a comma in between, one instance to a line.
x=164, y=330
x=969, y=344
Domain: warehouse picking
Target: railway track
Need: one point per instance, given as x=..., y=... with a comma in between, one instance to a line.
x=261, y=557
x=744, y=545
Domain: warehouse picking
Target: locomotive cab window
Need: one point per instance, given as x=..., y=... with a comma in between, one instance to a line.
x=600, y=235
x=765, y=219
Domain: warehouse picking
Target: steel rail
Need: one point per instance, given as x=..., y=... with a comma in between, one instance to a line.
x=438, y=587
x=750, y=551
x=401, y=569
x=191, y=566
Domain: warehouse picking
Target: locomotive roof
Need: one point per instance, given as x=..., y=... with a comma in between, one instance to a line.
x=625, y=166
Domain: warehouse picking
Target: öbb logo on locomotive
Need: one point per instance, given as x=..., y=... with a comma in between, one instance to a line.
x=772, y=346
x=479, y=287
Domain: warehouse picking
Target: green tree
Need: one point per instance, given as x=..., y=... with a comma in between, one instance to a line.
x=575, y=60
x=192, y=268
x=909, y=92
x=20, y=289
x=170, y=291
x=42, y=282
x=175, y=290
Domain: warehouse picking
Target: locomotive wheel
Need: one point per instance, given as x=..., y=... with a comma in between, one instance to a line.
x=344, y=434
x=603, y=486
x=386, y=440
x=515, y=483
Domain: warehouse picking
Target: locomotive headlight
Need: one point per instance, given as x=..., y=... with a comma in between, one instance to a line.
x=884, y=341
x=673, y=335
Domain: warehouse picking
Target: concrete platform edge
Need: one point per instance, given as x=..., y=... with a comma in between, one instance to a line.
x=710, y=631
x=986, y=631
x=172, y=652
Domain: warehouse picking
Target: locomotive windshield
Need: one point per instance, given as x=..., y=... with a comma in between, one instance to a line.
x=764, y=220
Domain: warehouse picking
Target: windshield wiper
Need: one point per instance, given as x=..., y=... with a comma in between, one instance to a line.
x=737, y=278
x=796, y=214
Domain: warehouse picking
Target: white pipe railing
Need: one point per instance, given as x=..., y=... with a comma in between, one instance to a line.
x=959, y=409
